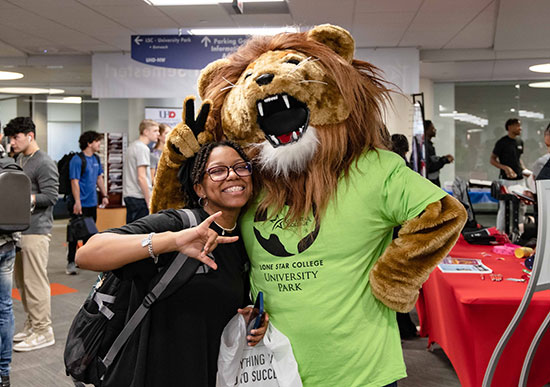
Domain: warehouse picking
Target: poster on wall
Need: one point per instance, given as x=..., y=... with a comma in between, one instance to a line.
x=169, y=116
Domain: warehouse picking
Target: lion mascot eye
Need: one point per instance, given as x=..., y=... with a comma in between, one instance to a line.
x=293, y=61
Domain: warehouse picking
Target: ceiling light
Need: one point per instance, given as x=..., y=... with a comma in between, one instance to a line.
x=530, y=114
x=75, y=100
x=203, y=2
x=29, y=90
x=540, y=85
x=242, y=31
x=9, y=75
x=465, y=117
x=540, y=68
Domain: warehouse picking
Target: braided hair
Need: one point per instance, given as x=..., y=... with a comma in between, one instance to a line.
x=193, y=170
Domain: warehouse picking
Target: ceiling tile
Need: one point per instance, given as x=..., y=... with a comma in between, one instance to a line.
x=523, y=25
x=380, y=29
x=138, y=17
x=7, y=50
x=479, y=33
x=263, y=20
x=439, y=20
x=387, y=6
x=324, y=11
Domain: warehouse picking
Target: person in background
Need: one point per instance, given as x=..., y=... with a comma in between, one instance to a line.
x=433, y=162
x=164, y=130
x=400, y=145
x=7, y=322
x=31, y=275
x=83, y=200
x=185, y=329
x=506, y=156
x=136, y=177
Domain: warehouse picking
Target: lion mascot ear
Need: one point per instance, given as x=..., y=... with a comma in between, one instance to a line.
x=337, y=38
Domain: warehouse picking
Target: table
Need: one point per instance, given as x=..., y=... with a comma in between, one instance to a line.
x=467, y=316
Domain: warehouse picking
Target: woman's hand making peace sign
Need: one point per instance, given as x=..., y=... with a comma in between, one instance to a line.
x=197, y=242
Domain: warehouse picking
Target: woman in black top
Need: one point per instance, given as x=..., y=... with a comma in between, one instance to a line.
x=183, y=340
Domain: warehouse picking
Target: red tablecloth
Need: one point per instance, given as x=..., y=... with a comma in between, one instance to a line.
x=467, y=316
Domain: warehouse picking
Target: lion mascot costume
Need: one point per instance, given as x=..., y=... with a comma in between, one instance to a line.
x=328, y=195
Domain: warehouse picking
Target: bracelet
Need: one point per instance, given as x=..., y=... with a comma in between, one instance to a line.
x=148, y=242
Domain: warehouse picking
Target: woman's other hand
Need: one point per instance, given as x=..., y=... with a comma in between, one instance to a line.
x=256, y=335
x=197, y=242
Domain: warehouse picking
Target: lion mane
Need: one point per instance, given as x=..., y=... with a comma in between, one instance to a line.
x=344, y=96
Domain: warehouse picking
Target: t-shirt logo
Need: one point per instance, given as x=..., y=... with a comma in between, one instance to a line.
x=284, y=241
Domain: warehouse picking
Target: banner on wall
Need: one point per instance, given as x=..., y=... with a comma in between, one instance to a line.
x=183, y=51
x=118, y=76
x=169, y=116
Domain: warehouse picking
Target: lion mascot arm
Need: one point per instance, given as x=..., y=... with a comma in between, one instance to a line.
x=408, y=261
x=182, y=144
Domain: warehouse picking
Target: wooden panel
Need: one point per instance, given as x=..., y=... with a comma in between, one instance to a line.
x=110, y=218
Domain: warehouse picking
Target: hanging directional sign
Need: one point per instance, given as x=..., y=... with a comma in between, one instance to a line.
x=183, y=51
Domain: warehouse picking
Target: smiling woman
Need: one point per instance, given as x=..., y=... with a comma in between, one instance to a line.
x=185, y=328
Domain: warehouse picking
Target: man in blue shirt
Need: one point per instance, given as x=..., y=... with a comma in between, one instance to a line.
x=83, y=200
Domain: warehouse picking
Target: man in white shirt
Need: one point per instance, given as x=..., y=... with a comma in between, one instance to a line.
x=137, y=184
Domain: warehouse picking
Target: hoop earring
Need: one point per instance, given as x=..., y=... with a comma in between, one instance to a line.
x=203, y=201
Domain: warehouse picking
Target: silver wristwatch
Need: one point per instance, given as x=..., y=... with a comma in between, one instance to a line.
x=148, y=242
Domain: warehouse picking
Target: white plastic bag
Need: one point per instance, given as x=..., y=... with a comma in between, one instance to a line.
x=270, y=363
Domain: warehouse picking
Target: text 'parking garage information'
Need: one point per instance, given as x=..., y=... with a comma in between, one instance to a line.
x=183, y=51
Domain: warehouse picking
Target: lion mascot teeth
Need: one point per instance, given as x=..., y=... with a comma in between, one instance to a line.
x=319, y=231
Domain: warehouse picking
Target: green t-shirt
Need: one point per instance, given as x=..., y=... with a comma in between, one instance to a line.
x=316, y=284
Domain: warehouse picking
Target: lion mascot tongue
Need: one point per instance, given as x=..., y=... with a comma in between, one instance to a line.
x=319, y=230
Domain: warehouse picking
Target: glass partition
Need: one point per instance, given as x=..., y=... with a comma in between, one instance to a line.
x=480, y=111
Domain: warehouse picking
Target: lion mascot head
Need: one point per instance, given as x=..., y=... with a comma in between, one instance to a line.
x=303, y=107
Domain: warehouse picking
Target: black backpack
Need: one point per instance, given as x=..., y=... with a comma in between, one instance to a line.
x=104, y=324
x=15, y=191
x=63, y=169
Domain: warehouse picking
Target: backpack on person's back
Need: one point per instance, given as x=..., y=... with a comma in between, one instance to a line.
x=63, y=167
x=99, y=347
x=15, y=194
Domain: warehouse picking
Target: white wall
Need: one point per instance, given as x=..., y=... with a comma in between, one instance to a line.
x=63, y=129
x=427, y=87
x=444, y=142
x=8, y=110
x=124, y=115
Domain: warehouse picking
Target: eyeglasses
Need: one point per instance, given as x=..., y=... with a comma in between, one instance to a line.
x=221, y=172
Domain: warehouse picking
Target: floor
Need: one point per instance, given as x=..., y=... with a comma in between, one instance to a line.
x=45, y=367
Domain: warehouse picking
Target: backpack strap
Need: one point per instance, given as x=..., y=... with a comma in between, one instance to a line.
x=188, y=217
x=82, y=164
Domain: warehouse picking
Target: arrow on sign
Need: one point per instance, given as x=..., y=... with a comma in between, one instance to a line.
x=138, y=40
x=205, y=41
